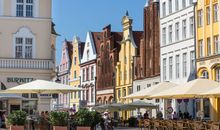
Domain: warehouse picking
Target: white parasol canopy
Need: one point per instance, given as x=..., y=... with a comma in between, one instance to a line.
x=190, y=89
x=40, y=87
x=146, y=93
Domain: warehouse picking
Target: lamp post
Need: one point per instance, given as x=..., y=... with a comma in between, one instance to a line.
x=57, y=81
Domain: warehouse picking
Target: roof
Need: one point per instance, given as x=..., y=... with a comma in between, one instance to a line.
x=53, y=31
x=81, y=49
x=137, y=37
x=97, y=38
x=69, y=49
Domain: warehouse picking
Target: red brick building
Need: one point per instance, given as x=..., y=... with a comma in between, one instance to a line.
x=107, y=58
x=147, y=64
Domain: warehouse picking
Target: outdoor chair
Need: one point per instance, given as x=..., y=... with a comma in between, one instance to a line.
x=182, y=125
x=214, y=126
x=147, y=124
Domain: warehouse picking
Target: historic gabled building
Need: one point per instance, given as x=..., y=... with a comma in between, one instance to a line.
x=208, y=50
x=107, y=58
x=78, y=47
x=64, y=72
x=177, y=50
x=147, y=63
x=88, y=69
x=27, y=49
x=124, y=69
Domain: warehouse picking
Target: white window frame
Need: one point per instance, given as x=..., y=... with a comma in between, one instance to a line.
x=35, y=8
x=176, y=5
x=200, y=18
x=164, y=36
x=177, y=66
x=184, y=64
x=200, y=48
x=170, y=33
x=217, y=45
x=192, y=61
x=184, y=30
x=164, y=69
x=215, y=13
x=24, y=33
x=208, y=15
x=164, y=9
x=170, y=68
x=209, y=46
x=170, y=6
x=177, y=31
x=191, y=26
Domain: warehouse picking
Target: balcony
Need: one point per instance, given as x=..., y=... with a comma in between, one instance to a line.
x=26, y=64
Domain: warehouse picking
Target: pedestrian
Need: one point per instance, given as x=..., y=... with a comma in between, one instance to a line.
x=175, y=117
x=146, y=115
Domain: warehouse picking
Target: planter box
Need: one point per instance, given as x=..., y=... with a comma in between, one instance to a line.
x=15, y=127
x=83, y=128
x=59, y=127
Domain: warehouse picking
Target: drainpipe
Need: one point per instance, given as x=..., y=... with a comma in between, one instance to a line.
x=195, y=49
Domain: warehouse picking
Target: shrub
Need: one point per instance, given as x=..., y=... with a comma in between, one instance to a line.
x=58, y=118
x=132, y=121
x=17, y=118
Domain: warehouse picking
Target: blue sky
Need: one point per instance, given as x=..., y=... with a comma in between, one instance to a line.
x=76, y=17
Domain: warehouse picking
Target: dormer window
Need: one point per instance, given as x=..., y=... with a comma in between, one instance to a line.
x=24, y=8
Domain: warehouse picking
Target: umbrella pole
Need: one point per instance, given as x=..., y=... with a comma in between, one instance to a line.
x=39, y=102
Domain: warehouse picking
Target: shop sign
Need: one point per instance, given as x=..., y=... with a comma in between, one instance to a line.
x=170, y=110
x=19, y=80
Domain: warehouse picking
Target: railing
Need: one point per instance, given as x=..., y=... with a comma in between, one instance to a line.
x=26, y=63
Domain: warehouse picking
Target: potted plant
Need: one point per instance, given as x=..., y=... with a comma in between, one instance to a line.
x=17, y=120
x=59, y=120
x=86, y=120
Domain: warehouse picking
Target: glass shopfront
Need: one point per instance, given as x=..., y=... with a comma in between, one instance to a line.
x=29, y=106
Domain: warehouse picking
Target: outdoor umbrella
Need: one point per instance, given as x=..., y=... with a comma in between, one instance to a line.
x=141, y=104
x=146, y=93
x=40, y=87
x=112, y=107
x=212, y=92
x=190, y=89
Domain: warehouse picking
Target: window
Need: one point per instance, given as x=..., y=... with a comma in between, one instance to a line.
x=184, y=29
x=170, y=6
x=164, y=69
x=119, y=93
x=125, y=74
x=75, y=60
x=164, y=9
x=130, y=91
x=75, y=95
x=75, y=74
x=208, y=15
x=208, y=46
x=92, y=95
x=87, y=54
x=200, y=48
x=200, y=18
x=177, y=66
x=192, y=61
x=87, y=74
x=18, y=48
x=205, y=74
x=217, y=74
x=24, y=48
x=138, y=88
x=215, y=12
x=124, y=92
x=164, y=36
x=191, y=25
x=216, y=43
x=184, y=65
x=83, y=75
x=177, y=5
x=92, y=73
x=24, y=8
x=170, y=34
x=171, y=68
x=184, y=3
x=177, y=31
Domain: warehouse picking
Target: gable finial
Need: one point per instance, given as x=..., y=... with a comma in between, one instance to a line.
x=127, y=14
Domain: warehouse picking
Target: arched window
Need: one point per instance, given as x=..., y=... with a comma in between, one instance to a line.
x=205, y=74
x=217, y=74
x=24, y=43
